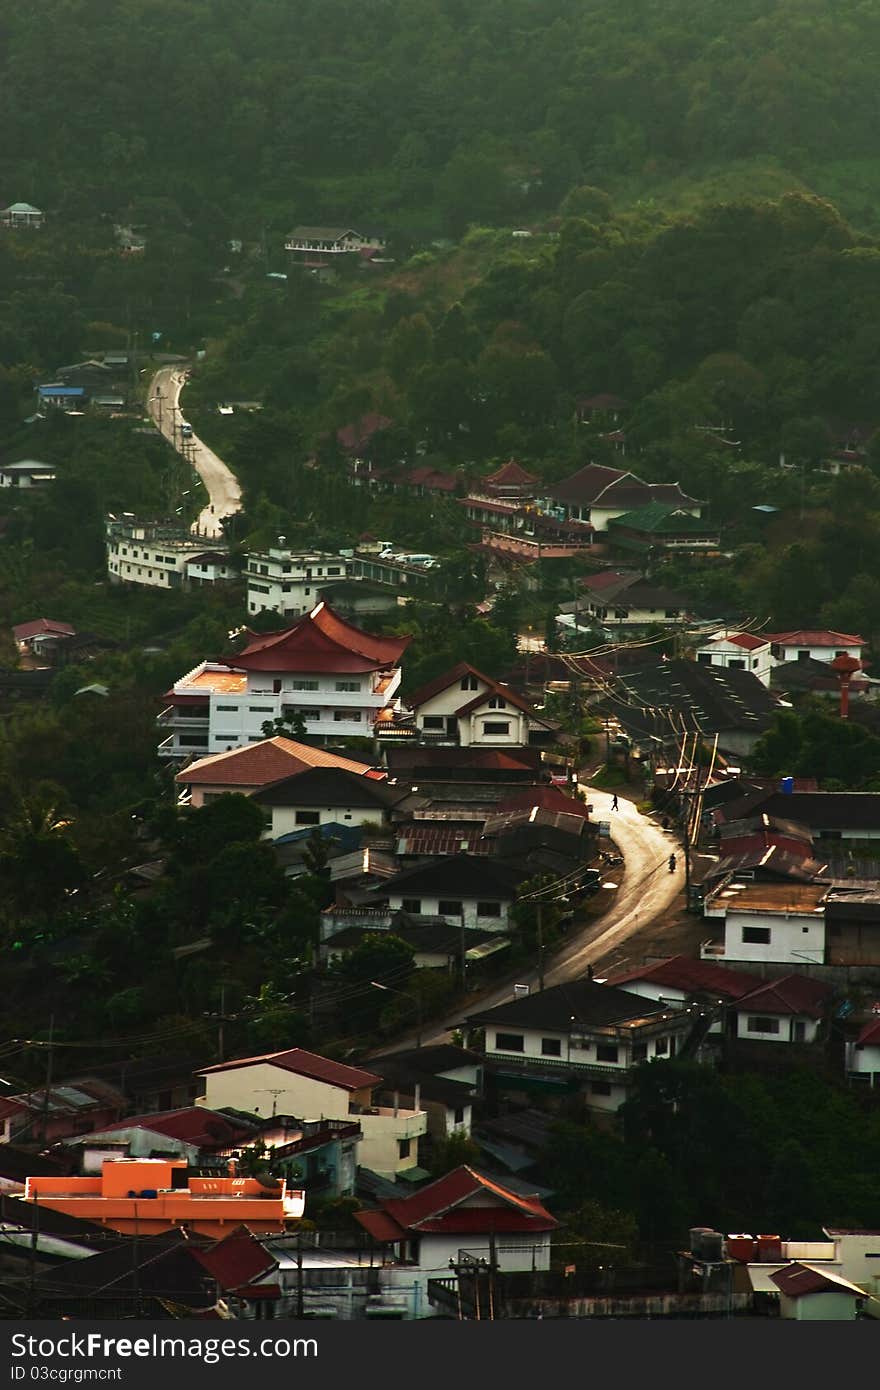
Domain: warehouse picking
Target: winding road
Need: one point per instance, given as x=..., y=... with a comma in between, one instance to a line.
x=224, y=492
x=646, y=889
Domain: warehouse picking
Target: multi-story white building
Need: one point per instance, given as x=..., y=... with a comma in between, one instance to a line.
x=338, y=678
x=783, y=923
x=291, y=582
x=814, y=645
x=163, y=557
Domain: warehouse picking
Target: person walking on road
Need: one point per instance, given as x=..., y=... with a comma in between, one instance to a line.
x=614, y=802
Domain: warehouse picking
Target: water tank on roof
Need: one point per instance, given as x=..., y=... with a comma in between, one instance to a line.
x=786, y=786
x=713, y=1245
x=769, y=1248
x=696, y=1238
x=741, y=1247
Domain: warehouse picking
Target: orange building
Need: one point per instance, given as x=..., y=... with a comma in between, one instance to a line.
x=146, y=1196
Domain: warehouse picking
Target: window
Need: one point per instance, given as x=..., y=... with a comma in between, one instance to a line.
x=193, y=740
x=763, y=1025
x=704, y=658
x=308, y=818
x=601, y=1088
x=661, y=1047
x=261, y=709
x=754, y=662
x=303, y=685
x=276, y=685
x=496, y=726
x=285, y=568
x=672, y=612
x=348, y=685
x=497, y=703
x=509, y=1042
x=803, y=656
x=411, y=904
x=621, y=613
x=346, y=715
x=458, y=1115
x=488, y=909
x=639, y=1052
x=469, y=683
x=756, y=936
x=333, y=570
x=448, y=907
x=310, y=713
x=605, y=1052
x=403, y=1148
x=736, y=664
x=226, y=709
x=551, y=1047
x=433, y=721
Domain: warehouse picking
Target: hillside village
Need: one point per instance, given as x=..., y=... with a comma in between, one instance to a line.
x=440, y=711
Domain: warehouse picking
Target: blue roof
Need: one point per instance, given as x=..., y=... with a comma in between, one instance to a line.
x=349, y=836
x=53, y=390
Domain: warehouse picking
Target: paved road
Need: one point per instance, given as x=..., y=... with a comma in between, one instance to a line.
x=646, y=889
x=222, y=484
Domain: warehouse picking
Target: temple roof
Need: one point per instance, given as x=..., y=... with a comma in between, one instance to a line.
x=320, y=641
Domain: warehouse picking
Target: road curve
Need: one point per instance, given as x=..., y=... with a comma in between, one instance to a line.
x=224, y=492
x=646, y=889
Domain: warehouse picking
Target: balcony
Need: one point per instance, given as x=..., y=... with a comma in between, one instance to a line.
x=558, y=1065
x=177, y=717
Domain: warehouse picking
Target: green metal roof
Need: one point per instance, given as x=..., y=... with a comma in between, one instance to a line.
x=663, y=517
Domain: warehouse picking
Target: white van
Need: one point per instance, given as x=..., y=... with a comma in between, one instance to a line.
x=185, y=429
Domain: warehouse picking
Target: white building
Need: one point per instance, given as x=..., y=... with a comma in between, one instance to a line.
x=252, y=768
x=738, y=651
x=337, y=677
x=462, y=706
x=786, y=1010
x=162, y=557
x=586, y=1031
x=27, y=474
x=863, y=1060
x=327, y=796
x=330, y=241
x=287, y=581
x=471, y=890
x=814, y=645
x=21, y=215
x=315, y=1088
x=782, y=923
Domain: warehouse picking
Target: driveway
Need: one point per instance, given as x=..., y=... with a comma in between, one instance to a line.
x=647, y=888
x=222, y=485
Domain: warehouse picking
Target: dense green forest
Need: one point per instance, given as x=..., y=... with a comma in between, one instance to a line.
x=443, y=113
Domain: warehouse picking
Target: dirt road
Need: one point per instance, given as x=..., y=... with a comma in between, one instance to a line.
x=222, y=484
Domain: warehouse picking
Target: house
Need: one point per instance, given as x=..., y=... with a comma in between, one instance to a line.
x=22, y=216
x=327, y=795
x=258, y=766
x=599, y=408
x=319, y=1156
x=162, y=556
x=838, y=816
x=288, y=581
x=337, y=677
x=583, y=1036
x=27, y=473
x=193, y=1133
x=62, y=1110
x=789, y=1009
x=317, y=1088
x=817, y=678
x=810, y=1293
x=863, y=1055
x=465, y=889
x=447, y=1079
x=680, y=980
x=41, y=635
x=330, y=241
x=466, y=707
x=629, y=601
x=55, y=393
x=359, y=598
x=597, y=494
x=510, y=481
x=436, y=943
x=782, y=923
x=463, y=1211
x=147, y=1278
x=147, y=1196
x=814, y=645
x=660, y=528
x=738, y=651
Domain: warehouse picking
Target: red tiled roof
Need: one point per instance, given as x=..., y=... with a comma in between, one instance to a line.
x=685, y=973
x=587, y=484
x=746, y=640
x=42, y=627
x=806, y=637
x=606, y=579
x=258, y=764
x=870, y=1034
x=432, y=479
x=236, y=1260
x=321, y=641
x=12, y=1107
x=193, y=1125
x=547, y=798
x=510, y=474
x=303, y=1063
x=437, y=1208
x=793, y=994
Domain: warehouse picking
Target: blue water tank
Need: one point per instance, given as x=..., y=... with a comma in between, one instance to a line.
x=787, y=786
x=150, y=1192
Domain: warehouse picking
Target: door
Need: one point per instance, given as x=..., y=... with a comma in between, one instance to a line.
x=798, y=1031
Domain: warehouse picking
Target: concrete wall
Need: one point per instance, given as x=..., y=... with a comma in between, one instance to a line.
x=785, y=1027
x=248, y=1088
x=430, y=906
x=794, y=938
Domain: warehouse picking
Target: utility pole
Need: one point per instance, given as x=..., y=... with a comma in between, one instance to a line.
x=540, y=923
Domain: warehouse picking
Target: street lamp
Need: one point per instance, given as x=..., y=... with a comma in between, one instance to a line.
x=417, y=999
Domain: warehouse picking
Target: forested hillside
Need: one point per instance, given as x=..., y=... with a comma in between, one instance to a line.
x=427, y=116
